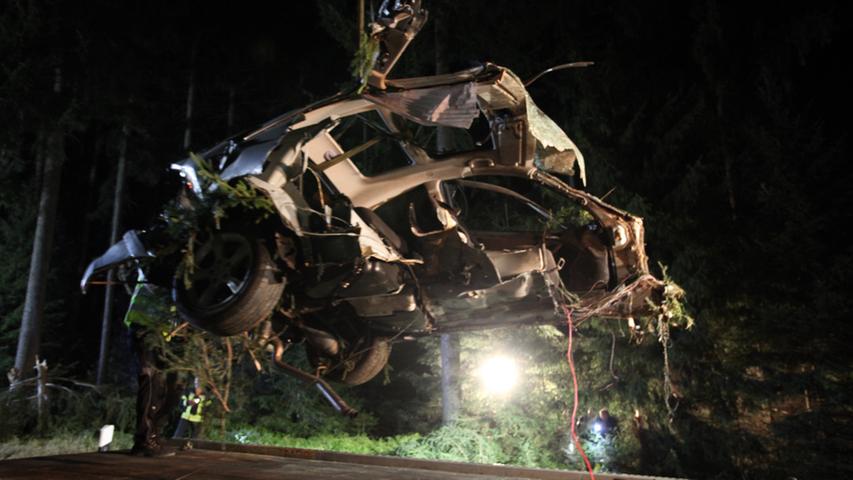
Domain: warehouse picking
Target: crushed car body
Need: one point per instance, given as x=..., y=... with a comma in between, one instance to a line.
x=409, y=207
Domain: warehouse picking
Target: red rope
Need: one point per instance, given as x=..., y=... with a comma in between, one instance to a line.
x=575, y=385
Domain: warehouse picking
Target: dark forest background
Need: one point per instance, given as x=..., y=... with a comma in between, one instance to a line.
x=724, y=126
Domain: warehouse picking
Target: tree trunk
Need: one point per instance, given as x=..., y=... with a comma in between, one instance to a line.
x=450, y=397
x=190, y=98
x=39, y=149
x=450, y=394
x=189, y=114
x=29, y=335
x=86, y=221
x=106, y=319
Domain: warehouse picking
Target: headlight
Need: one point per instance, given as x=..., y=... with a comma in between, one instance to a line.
x=186, y=170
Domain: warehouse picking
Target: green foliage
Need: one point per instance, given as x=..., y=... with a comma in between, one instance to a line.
x=365, y=57
x=343, y=29
x=71, y=408
x=456, y=442
x=189, y=218
x=16, y=227
x=276, y=402
x=568, y=215
x=19, y=193
x=508, y=437
x=227, y=196
x=339, y=442
x=524, y=427
x=60, y=443
x=337, y=25
x=18, y=414
x=673, y=309
x=530, y=424
x=195, y=354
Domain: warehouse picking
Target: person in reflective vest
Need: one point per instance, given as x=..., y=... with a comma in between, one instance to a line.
x=193, y=405
x=150, y=316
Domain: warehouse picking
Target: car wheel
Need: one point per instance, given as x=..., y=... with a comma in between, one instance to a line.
x=232, y=287
x=367, y=358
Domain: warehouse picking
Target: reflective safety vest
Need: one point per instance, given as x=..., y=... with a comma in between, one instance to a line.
x=152, y=308
x=193, y=405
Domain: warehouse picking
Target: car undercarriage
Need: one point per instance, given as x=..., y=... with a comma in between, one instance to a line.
x=403, y=208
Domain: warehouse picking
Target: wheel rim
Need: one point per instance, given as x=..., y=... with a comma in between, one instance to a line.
x=223, y=265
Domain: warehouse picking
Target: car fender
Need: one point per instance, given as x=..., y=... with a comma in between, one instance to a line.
x=130, y=247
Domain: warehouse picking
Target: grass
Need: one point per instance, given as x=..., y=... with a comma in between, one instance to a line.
x=58, y=444
x=456, y=442
x=331, y=442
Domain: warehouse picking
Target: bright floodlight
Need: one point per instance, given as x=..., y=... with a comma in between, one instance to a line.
x=498, y=374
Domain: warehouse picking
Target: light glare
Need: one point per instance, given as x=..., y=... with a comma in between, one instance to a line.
x=498, y=374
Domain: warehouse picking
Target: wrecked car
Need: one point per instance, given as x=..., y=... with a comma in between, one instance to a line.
x=405, y=208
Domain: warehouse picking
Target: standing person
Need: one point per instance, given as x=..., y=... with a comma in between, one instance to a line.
x=192, y=405
x=605, y=424
x=149, y=316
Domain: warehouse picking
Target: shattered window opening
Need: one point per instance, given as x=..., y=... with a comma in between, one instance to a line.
x=525, y=211
x=395, y=212
x=456, y=140
x=386, y=155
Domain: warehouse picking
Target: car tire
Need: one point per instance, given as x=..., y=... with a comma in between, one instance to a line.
x=234, y=286
x=370, y=358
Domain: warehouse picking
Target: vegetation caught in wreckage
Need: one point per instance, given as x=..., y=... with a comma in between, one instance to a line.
x=191, y=352
x=188, y=217
x=438, y=268
x=364, y=58
x=725, y=141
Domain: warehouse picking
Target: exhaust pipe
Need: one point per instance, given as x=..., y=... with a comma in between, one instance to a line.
x=328, y=392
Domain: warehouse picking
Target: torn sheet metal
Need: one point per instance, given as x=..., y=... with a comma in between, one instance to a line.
x=285, y=161
x=287, y=202
x=371, y=244
x=250, y=160
x=518, y=300
x=129, y=248
x=435, y=80
x=447, y=106
x=555, y=161
x=186, y=169
x=396, y=25
x=505, y=92
x=546, y=131
x=555, y=151
x=452, y=259
x=510, y=263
